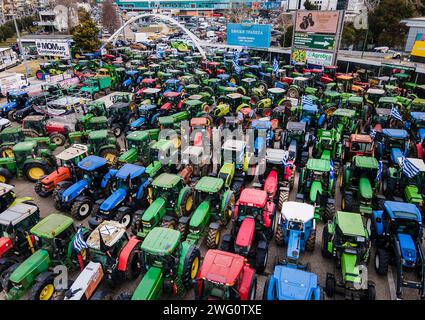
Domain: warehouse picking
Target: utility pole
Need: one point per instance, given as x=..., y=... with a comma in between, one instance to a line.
x=365, y=42
x=21, y=49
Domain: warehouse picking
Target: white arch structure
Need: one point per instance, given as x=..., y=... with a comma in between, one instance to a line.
x=112, y=39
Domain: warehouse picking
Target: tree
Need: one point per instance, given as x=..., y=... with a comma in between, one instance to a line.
x=308, y=5
x=86, y=34
x=110, y=19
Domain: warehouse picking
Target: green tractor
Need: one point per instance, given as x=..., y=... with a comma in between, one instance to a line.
x=328, y=145
x=316, y=185
x=169, y=199
x=345, y=122
x=346, y=240
x=98, y=142
x=214, y=209
x=138, y=145
x=171, y=265
x=301, y=86
x=30, y=160
x=94, y=85
x=359, y=185
x=94, y=117
x=56, y=234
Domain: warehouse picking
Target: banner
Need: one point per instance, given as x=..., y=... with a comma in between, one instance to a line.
x=319, y=58
x=317, y=21
x=249, y=35
x=53, y=48
x=419, y=49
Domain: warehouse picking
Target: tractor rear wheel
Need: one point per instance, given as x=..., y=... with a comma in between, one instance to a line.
x=311, y=241
x=4, y=265
x=228, y=208
x=347, y=202
x=283, y=197
x=252, y=293
x=213, y=238
x=325, y=241
x=184, y=229
x=5, y=282
x=261, y=258
x=186, y=204
x=12, y=115
x=110, y=154
x=382, y=261
x=329, y=212
x=81, y=209
x=330, y=285
x=5, y=175
x=43, y=289
x=371, y=291
x=7, y=152
x=133, y=268
x=34, y=171
x=279, y=236
x=191, y=265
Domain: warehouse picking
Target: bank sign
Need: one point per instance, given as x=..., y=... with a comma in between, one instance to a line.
x=53, y=48
x=249, y=35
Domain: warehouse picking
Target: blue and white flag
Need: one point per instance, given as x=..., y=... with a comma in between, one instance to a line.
x=408, y=168
x=79, y=242
x=395, y=114
x=332, y=170
x=379, y=173
x=372, y=133
x=275, y=66
x=285, y=159
x=235, y=62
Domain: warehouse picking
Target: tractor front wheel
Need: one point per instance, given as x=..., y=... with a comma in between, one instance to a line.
x=81, y=209
x=262, y=257
x=311, y=241
x=58, y=139
x=184, y=230
x=12, y=115
x=330, y=285
x=213, y=238
x=191, y=266
x=252, y=293
x=43, y=289
x=34, y=171
x=279, y=236
x=347, y=202
x=186, y=203
x=38, y=188
x=6, y=152
x=124, y=217
x=382, y=261
x=325, y=241
x=329, y=212
x=116, y=130
x=371, y=291
x=5, y=175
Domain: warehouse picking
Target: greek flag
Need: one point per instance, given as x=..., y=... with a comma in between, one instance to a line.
x=372, y=133
x=306, y=100
x=408, y=168
x=379, y=173
x=332, y=170
x=395, y=114
x=275, y=66
x=285, y=159
x=235, y=63
x=159, y=53
x=79, y=242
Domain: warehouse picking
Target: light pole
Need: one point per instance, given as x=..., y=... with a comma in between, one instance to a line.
x=365, y=42
x=21, y=49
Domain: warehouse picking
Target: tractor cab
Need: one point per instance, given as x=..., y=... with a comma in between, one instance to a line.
x=263, y=134
x=200, y=130
x=418, y=105
x=275, y=94
x=148, y=114
x=224, y=276
x=235, y=100
x=356, y=103
x=172, y=85
x=394, y=144
x=7, y=196
x=358, y=145
x=344, y=121
x=294, y=140
x=170, y=100
x=234, y=151
x=417, y=128
x=331, y=99
x=151, y=96
x=138, y=145
x=373, y=95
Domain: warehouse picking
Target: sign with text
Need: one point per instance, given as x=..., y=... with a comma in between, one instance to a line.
x=52, y=48
x=317, y=21
x=314, y=41
x=249, y=35
x=319, y=58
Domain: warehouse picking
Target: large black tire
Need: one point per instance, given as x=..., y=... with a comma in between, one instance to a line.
x=191, y=267
x=81, y=209
x=330, y=285
x=38, y=188
x=57, y=199
x=57, y=138
x=116, y=130
x=371, y=291
x=133, y=267
x=4, y=265
x=38, y=289
x=11, y=115
x=279, y=236
x=382, y=260
x=261, y=259
x=228, y=208
x=348, y=203
x=184, y=230
x=252, y=292
x=124, y=217
x=5, y=175
x=325, y=240
x=136, y=224
x=266, y=288
x=6, y=152
x=213, y=238
x=311, y=242
x=329, y=212
x=187, y=202
x=28, y=171
x=283, y=197
x=6, y=284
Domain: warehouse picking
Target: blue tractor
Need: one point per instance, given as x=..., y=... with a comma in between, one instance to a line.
x=296, y=229
x=16, y=100
x=287, y=283
x=130, y=194
x=132, y=79
x=148, y=116
x=174, y=85
x=392, y=144
x=396, y=231
x=264, y=134
x=79, y=198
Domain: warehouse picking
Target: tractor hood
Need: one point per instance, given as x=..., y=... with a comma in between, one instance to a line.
x=88, y=89
x=154, y=209
x=127, y=82
x=129, y=156
x=365, y=188
x=294, y=284
x=413, y=195
x=35, y=264
x=293, y=251
x=137, y=123
x=113, y=200
x=199, y=214
x=5, y=245
x=350, y=270
x=8, y=106
x=408, y=249
x=74, y=191
x=149, y=286
x=316, y=187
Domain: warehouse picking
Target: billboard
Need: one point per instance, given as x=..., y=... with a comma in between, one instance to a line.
x=419, y=49
x=317, y=21
x=52, y=48
x=249, y=35
x=312, y=57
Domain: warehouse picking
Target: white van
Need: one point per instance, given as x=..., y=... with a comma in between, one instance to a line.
x=10, y=81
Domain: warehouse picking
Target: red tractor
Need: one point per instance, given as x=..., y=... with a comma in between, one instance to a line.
x=201, y=130
x=254, y=222
x=329, y=74
x=358, y=145
x=212, y=68
x=171, y=101
x=39, y=126
x=225, y=276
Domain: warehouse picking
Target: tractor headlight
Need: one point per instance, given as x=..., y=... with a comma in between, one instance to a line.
x=17, y=286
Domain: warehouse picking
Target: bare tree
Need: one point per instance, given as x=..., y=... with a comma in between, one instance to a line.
x=110, y=19
x=371, y=5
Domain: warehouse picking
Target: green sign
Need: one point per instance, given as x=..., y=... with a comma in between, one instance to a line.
x=314, y=41
x=398, y=67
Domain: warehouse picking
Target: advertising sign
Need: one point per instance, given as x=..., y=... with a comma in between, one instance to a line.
x=317, y=21
x=314, y=41
x=52, y=48
x=420, y=37
x=299, y=56
x=419, y=49
x=319, y=58
x=249, y=35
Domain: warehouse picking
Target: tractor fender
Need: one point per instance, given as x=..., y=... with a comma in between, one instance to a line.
x=5, y=245
x=141, y=190
x=114, y=200
x=376, y=219
x=268, y=214
x=8, y=106
x=125, y=253
x=247, y=278
x=270, y=288
x=214, y=226
x=107, y=177
x=321, y=120
x=420, y=150
x=226, y=197
x=43, y=276
x=186, y=251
